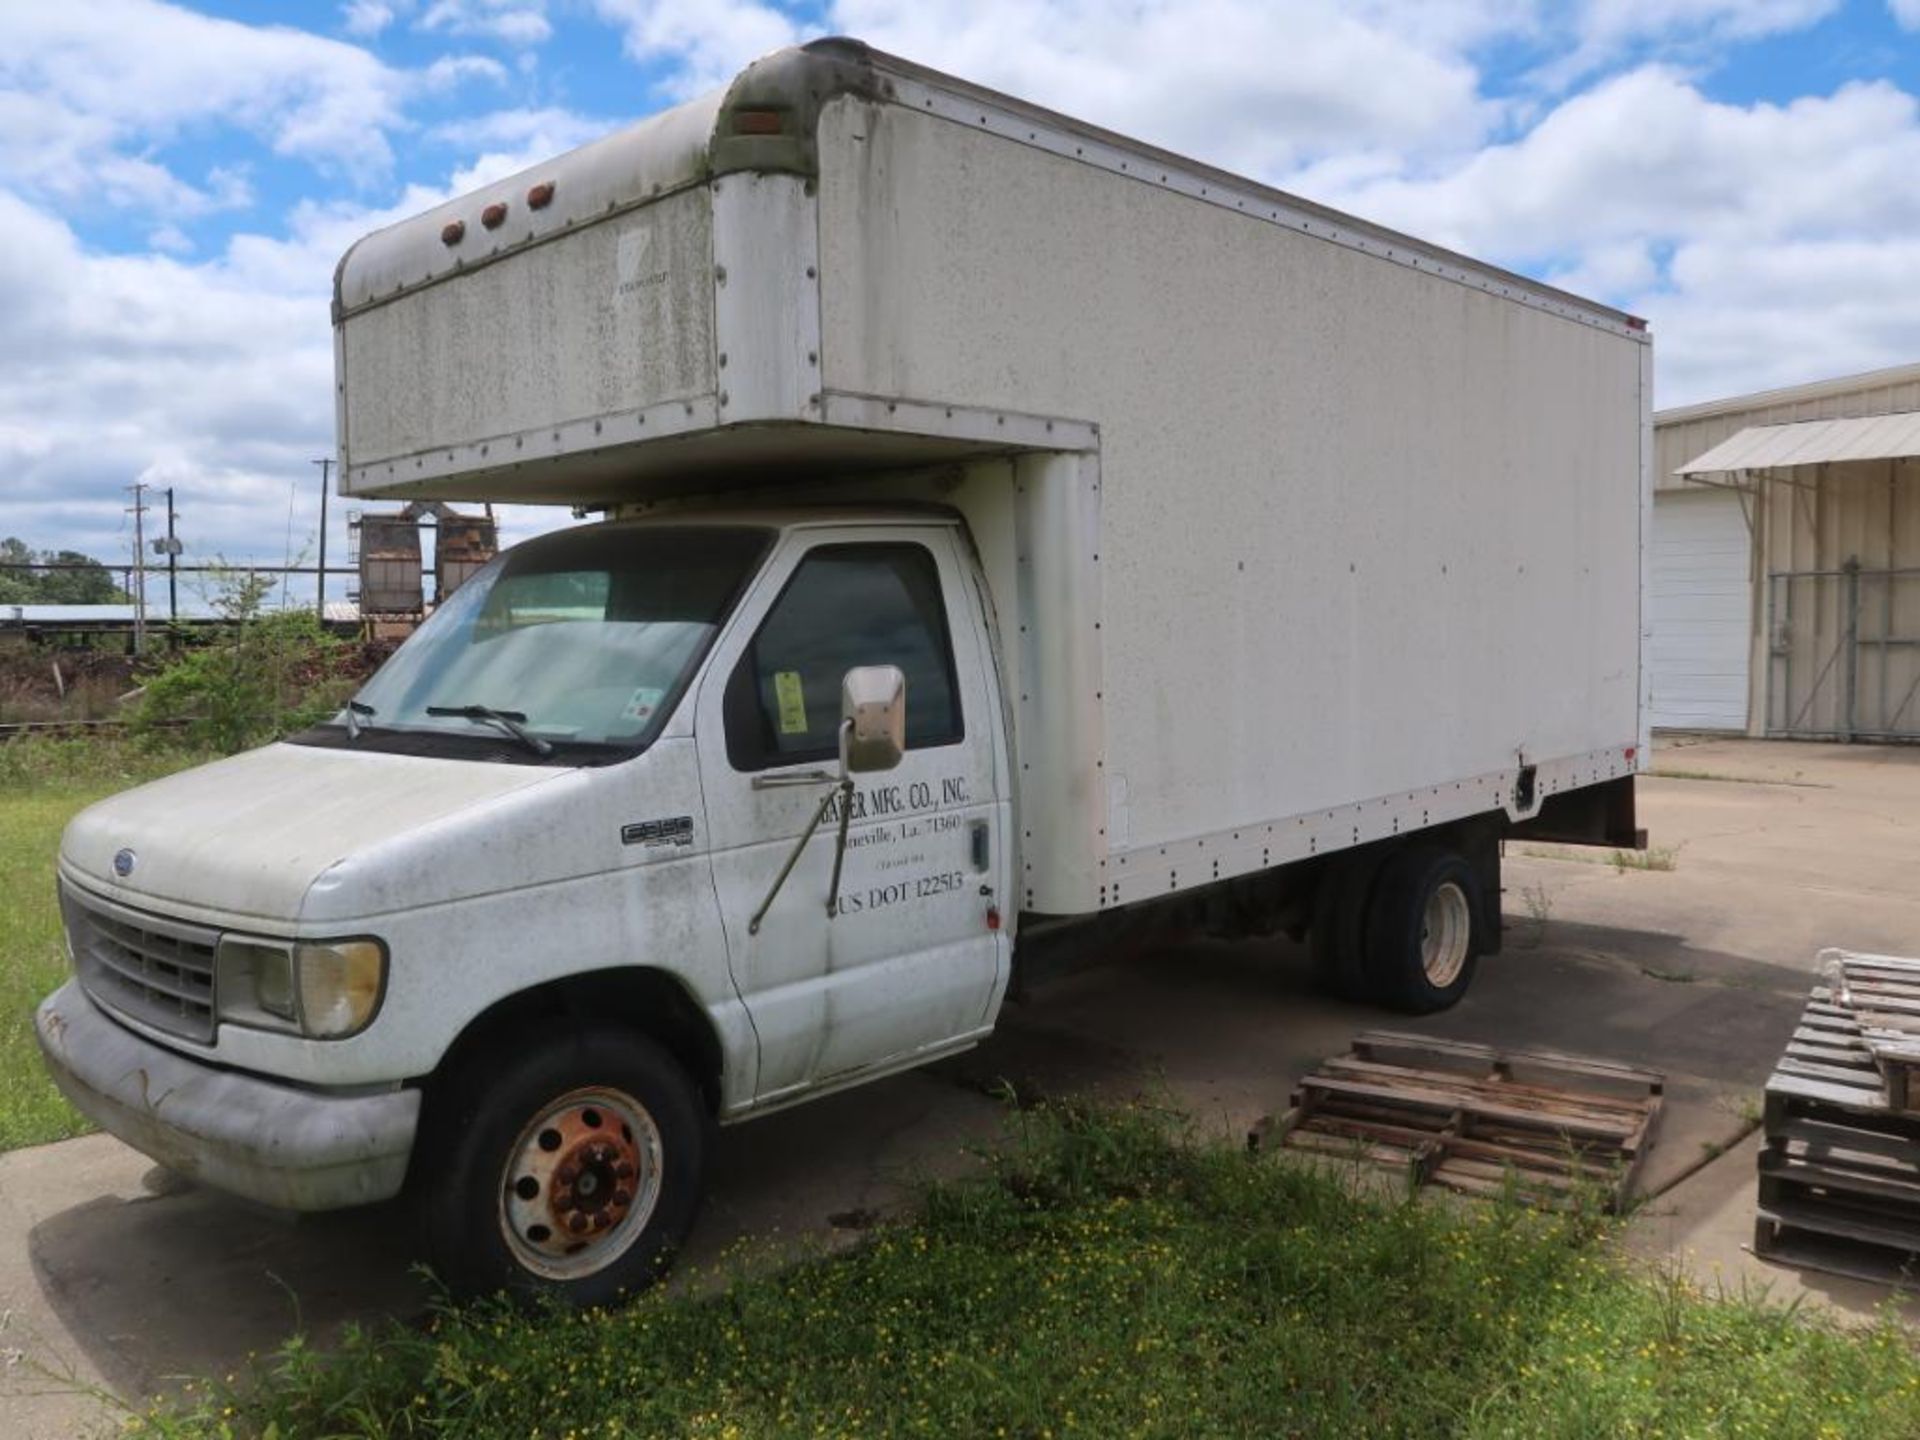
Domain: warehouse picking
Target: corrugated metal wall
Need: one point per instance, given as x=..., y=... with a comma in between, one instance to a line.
x=1842, y=600
x=1679, y=435
x=1836, y=562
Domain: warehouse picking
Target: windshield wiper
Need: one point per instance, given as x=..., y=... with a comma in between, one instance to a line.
x=511, y=721
x=356, y=709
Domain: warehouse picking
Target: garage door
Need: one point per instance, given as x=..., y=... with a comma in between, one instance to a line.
x=1701, y=610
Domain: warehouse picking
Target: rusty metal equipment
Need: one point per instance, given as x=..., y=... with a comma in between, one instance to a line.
x=386, y=550
x=1545, y=1127
x=461, y=545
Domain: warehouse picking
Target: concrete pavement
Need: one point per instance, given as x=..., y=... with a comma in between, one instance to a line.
x=1699, y=970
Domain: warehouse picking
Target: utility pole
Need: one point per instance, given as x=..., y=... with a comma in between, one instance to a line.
x=138, y=510
x=173, y=566
x=320, y=597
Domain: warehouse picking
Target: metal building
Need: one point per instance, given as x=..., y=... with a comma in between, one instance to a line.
x=1785, y=574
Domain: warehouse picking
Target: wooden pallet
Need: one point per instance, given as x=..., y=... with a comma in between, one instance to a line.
x=1840, y=1169
x=1545, y=1126
x=1882, y=992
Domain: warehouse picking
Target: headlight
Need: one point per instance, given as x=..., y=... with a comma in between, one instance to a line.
x=340, y=985
x=326, y=989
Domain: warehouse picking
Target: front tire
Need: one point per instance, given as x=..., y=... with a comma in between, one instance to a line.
x=1422, y=936
x=574, y=1168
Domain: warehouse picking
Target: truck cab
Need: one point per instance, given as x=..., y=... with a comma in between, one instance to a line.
x=627, y=838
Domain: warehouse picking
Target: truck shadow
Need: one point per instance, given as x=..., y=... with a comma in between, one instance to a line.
x=160, y=1287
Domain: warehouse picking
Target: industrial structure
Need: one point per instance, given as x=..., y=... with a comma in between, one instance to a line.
x=1785, y=572
x=386, y=552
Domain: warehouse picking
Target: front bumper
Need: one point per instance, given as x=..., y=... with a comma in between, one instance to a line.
x=283, y=1146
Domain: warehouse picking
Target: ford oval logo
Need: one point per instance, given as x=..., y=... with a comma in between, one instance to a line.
x=123, y=863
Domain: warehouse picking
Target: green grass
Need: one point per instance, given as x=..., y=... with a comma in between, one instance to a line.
x=43, y=783
x=1106, y=1281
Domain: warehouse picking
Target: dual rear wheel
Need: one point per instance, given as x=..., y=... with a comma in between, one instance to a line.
x=1400, y=928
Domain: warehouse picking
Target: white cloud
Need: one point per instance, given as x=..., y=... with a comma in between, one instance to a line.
x=366, y=18
x=535, y=134
x=140, y=68
x=1599, y=33
x=170, y=240
x=708, y=40
x=512, y=22
x=1906, y=13
x=92, y=95
x=451, y=70
x=1646, y=155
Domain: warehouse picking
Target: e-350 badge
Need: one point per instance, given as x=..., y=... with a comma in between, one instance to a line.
x=675, y=831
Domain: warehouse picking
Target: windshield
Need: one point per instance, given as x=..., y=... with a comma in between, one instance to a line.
x=567, y=649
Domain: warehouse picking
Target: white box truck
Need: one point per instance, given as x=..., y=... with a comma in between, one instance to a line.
x=1013, y=536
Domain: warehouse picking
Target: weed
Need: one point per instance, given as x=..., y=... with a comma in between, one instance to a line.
x=263, y=675
x=1539, y=903
x=1672, y=977
x=1793, y=780
x=1654, y=857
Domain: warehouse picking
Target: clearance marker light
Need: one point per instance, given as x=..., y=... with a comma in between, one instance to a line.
x=759, y=122
x=495, y=215
x=540, y=196
x=453, y=232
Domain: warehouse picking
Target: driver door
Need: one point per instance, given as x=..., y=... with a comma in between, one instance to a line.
x=914, y=960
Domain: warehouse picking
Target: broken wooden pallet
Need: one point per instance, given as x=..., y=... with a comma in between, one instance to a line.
x=1840, y=1166
x=1545, y=1126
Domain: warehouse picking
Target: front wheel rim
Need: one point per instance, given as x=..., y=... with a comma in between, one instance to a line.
x=1446, y=930
x=580, y=1183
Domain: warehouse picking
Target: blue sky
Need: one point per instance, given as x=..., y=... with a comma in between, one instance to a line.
x=176, y=180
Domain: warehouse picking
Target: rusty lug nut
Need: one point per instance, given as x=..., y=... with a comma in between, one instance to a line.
x=621, y=1197
x=563, y=1200
x=577, y=1222
x=567, y=1173
x=624, y=1170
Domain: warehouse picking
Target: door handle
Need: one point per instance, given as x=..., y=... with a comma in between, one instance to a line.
x=795, y=777
x=978, y=843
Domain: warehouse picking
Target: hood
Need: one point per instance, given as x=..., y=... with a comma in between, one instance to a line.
x=245, y=838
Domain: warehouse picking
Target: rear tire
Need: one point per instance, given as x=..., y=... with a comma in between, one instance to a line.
x=1423, y=936
x=572, y=1168
x=1338, y=935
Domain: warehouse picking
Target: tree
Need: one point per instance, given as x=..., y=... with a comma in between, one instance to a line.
x=93, y=584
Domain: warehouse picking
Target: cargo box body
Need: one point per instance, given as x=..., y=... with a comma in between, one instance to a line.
x=1299, y=533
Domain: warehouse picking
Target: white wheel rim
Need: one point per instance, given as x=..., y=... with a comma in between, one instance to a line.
x=580, y=1183
x=1446, y=928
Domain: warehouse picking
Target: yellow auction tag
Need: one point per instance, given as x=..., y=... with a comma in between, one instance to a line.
x=792, y=696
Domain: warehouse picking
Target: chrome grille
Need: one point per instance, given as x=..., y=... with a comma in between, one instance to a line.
x=147, y=967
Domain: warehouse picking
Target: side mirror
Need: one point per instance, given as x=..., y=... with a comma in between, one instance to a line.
x=873, y=718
